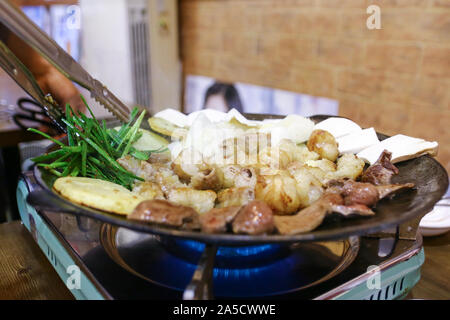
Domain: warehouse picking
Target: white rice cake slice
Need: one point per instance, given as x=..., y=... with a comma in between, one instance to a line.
x=402, y=148
x=174, y=116
x=338, y=127
x=357, y=141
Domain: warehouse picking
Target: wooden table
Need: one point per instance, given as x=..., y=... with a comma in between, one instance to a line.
x=435, y=279
x=25, y=272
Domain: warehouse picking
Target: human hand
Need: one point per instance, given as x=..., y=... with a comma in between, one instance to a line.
x=49, y=79
x=61, y=89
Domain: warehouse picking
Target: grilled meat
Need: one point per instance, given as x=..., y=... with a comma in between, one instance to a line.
x=390, y=189
x=309, y=218
x=207, y=179
x=229, y=173
x=279, y=191
x=381, y=171
x=158, y=173
x=286, y=179
x=362, y=192
x=201, y=200
x=346, y=197
x=352, y=209
x=148, y=190
x=235, y=197
x=354, y=192
x=246, y=177
x=217, y=220
x=254, y=218
x=348, y=166
x=138, y=167
x=166, y=213
x=323, y=143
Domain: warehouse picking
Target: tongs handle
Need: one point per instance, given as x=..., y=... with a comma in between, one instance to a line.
x=24, y=28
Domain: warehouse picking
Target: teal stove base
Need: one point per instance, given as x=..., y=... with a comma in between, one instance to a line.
x=77, y=281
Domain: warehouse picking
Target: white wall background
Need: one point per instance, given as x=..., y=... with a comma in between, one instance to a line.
x=165, y=63
x=105, y=51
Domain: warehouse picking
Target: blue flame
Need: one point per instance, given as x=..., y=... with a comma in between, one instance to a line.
x=230, y=251
x=249, y=271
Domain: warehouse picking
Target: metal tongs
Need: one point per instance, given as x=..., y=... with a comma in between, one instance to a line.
x=17, y=22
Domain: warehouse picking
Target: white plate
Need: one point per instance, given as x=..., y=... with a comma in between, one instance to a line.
x=438, y=220
x=431, y=232
x=439, y=217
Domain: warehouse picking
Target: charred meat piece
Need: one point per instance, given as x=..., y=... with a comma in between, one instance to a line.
x=358, y=197
x=235, y=196
x=148, y=190
x=356, y=209
x=309, y=218
x=138, y=167
x=208, y=179
x=157, y=173
x=254, y=218
x=159, y=157
x=363, y=193
x=346, y=197
x=217, y=220
x=201, y=200
x=389, y=189
x=279, y=191
x=166, y=213
x=381, y=171
x=355, y=192
x=246, y=177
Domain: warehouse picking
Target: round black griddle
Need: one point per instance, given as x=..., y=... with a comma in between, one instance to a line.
x=427, y=174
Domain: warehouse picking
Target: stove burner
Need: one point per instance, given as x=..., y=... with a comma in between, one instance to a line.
x=230, y=251
x=227, y=257
x=253, y=271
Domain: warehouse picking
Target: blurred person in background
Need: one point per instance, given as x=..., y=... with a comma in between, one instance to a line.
x=222, y=97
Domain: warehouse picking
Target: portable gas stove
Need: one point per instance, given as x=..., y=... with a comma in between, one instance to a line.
x=117, y=263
